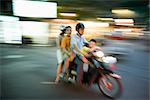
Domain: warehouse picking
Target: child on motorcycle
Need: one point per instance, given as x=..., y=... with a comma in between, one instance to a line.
x=91, y=48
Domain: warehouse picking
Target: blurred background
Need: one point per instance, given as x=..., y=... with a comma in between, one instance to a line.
x=28, y=30
x=123, y=19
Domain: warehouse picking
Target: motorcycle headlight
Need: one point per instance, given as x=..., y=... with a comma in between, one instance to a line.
x=99, y=54
x=109, y=59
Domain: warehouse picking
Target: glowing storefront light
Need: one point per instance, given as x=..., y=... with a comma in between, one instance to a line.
x=10, y=30
x=95, y=24
x=34, y=9
x=38, y=31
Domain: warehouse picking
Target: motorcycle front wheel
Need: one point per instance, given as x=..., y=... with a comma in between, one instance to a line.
x=110, y=86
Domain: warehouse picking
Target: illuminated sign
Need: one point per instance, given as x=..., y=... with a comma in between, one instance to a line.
x=10, y=30
x=34, y=9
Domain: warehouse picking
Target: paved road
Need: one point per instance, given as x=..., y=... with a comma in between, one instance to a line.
x=24, y=71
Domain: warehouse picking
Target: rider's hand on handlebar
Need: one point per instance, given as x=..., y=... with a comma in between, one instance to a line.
x=86, y=54
x=84, y=60
x=94, y=54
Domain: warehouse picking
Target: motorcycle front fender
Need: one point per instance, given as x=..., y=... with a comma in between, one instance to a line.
x=115, y=76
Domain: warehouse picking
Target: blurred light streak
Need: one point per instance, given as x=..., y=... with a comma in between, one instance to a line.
x=128, y=22
x=95, y=24
x=8, y=18
x=123, y=11
x=105, y=19
x=133, y=34
x=123, y=30
x=69, y=14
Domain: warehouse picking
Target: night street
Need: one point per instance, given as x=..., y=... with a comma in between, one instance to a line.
x=35, y=33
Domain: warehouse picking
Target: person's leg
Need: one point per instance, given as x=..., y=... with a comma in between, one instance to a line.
x=80, y=60
x=85, y=60
x=59, y=70
x=67, y=62
x=93, y=74
x=72, y=56
x=79, y=63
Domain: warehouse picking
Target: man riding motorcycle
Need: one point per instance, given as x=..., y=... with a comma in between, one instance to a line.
x=77, y=42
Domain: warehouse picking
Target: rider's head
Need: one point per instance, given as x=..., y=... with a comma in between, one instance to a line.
x=62, y=29
x=92, y=43
x=68, y=30
x=80, y=28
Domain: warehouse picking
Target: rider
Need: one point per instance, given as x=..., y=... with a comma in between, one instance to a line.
x=77, y=42
x=59, y=52
x=65, y=54
x=92, y=48
x=68, y=54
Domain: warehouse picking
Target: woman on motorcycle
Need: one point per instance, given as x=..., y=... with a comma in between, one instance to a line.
x=59, y=52
x=67, y=55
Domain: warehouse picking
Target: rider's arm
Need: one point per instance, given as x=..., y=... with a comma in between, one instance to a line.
x=85, y=49
x=85, y=41
x=96, y=48
x=77, y=49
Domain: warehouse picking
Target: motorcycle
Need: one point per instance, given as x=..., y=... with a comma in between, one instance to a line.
x=108, y=81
